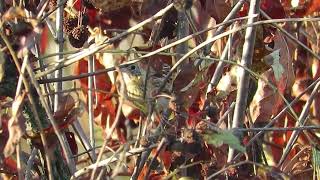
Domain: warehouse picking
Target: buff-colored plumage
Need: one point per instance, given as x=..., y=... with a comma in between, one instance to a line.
x=134, y=77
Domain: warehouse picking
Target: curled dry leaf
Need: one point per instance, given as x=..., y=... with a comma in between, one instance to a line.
x=16, y=126
x=266, y=101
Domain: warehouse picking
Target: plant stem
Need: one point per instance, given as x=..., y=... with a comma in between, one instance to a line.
x=90, y=102
x=246, y=61
x=31, y=99
x=301, y=121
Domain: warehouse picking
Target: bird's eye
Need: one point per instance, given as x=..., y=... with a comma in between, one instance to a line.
x=132, y=68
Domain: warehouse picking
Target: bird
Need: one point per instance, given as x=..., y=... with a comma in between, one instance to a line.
x=137, y=94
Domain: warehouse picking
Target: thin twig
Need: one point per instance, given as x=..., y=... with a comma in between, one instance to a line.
x=230, y=16
x=64, y=145
x=225, y=115
x=86, y=52
x=291, y=37
x=90, y=102
x=278, y=129
x=161, y=145
x=84, y=141
x=301, y=121
x=19, y=163
x=32, y=102
x=277, y=117
x=246, y=61
x=219, y=69
x=101, y=45
x=114, y=125
x=30, y=163
x=132, y=152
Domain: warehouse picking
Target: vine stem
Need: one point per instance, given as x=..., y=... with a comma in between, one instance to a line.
x=246, y=61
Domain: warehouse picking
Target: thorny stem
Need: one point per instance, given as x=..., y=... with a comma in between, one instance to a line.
x=182, y=48
x=246, y=61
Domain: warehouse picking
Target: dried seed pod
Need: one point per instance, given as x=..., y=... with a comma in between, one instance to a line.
x=69, y=24
x=78, y=36
x=110, y=5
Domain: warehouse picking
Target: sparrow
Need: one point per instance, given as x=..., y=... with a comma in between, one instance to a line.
x=138, y=94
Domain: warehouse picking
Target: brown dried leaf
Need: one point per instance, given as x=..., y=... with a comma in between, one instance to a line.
x=218, y=9
x=65, y=105
x=16, y=126
x=299, y=162
x=185, y=77
x=266, y=101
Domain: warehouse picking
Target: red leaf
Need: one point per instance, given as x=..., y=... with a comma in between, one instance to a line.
x=44, y=40
x=272, y=8
x=9, y=165
x=4, y=133
x=92, y=14
x=314, y=6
